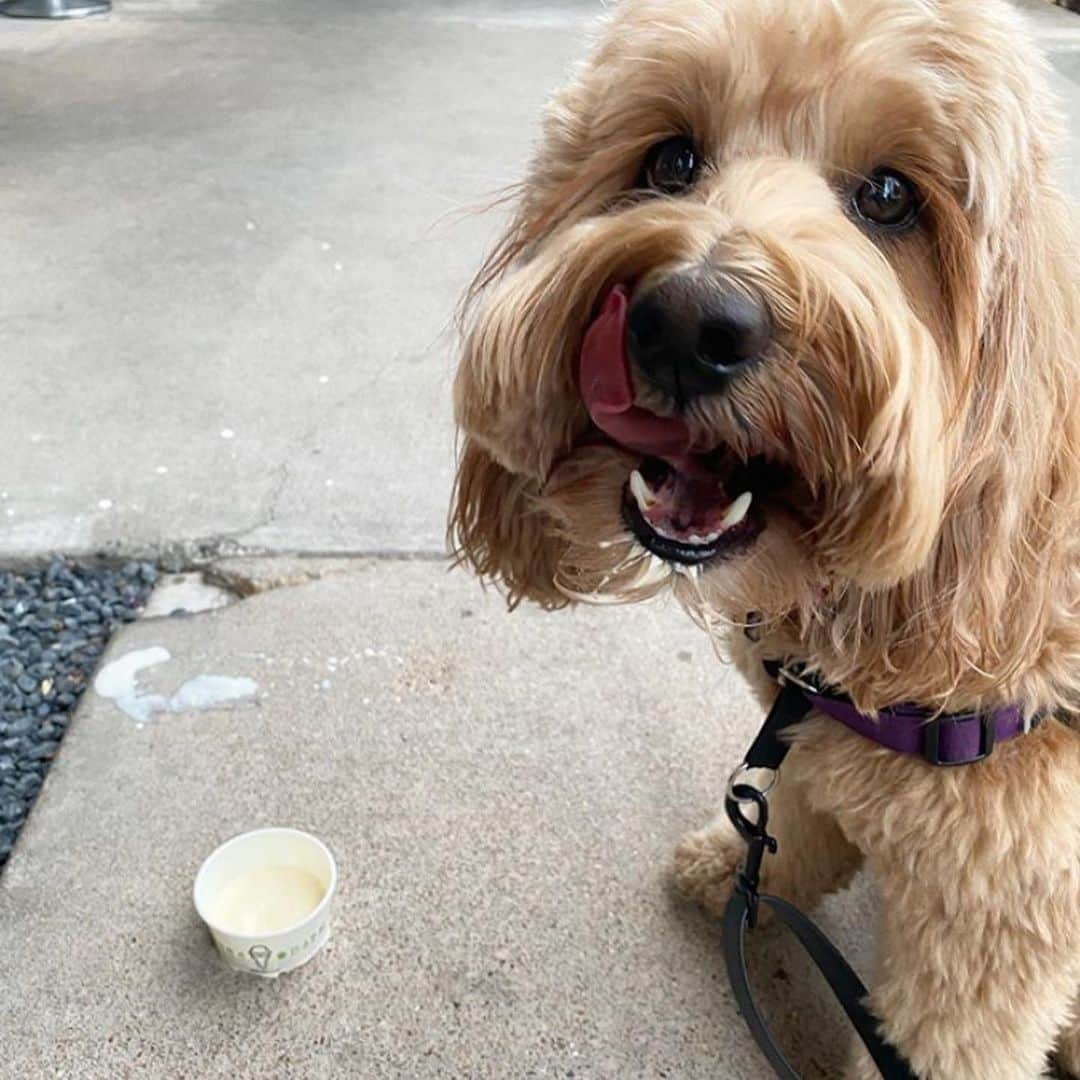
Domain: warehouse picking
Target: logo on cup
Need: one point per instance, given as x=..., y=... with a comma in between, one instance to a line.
x=261, y=955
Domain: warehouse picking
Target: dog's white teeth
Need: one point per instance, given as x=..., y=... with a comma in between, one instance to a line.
x=643, y=495
x=737, y=511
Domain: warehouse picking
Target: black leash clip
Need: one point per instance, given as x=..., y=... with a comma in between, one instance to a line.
x=758, y=841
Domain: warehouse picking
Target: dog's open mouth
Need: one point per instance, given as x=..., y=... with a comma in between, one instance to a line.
x=693, y=515
x=684, y=503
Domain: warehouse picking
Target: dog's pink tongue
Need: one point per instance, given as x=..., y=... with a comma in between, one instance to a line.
x=609, y=395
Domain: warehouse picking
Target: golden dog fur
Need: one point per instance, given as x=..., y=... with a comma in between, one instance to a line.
x=926, y=388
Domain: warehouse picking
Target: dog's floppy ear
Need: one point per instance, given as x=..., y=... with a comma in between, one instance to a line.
x=498, y=528
x=889, y=531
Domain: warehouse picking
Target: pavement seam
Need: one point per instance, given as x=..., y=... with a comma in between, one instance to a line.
x=188, y=555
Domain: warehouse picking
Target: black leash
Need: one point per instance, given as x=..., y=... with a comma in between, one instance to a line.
x=767, y=751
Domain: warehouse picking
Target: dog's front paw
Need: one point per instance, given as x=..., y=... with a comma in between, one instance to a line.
x=705, y=865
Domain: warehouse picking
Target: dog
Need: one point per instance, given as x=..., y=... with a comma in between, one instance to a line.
x=785, y=322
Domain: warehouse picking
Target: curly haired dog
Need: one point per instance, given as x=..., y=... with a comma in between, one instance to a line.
x=787, y=322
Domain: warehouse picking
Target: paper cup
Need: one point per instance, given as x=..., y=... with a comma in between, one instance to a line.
x=265, y=895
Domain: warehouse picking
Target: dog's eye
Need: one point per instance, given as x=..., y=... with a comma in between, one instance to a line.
x=888, y=199
x=670, y=166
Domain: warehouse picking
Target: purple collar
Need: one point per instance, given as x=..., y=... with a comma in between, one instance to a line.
x=940, y=739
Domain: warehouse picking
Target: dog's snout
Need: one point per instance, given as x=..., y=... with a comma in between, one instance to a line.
x=691, y=332
x=735, y=329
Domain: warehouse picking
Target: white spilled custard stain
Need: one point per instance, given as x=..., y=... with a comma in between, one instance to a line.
x=118, y=681
x=210, y=691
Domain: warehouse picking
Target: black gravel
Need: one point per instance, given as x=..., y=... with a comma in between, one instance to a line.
x=54, y=624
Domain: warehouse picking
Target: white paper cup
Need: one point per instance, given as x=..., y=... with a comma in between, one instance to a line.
x=265, y=895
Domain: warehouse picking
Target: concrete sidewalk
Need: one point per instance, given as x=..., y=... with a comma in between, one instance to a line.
x=234, y=237
x=235, y=234
x=502, y=793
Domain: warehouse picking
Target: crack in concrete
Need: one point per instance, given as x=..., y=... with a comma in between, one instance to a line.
x=284, y=471
x=180, y=556
x=246, y=576
x=197, y=554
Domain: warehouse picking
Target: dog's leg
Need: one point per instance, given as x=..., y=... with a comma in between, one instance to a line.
x=979, y=875
x=812, y=858
x=975, y=995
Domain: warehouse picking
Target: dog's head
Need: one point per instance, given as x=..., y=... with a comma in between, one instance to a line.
x=783, y=321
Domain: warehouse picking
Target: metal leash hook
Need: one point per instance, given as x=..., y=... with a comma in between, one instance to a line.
x=758, y=842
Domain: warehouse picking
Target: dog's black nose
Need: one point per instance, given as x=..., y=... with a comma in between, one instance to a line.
x=691, y=332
